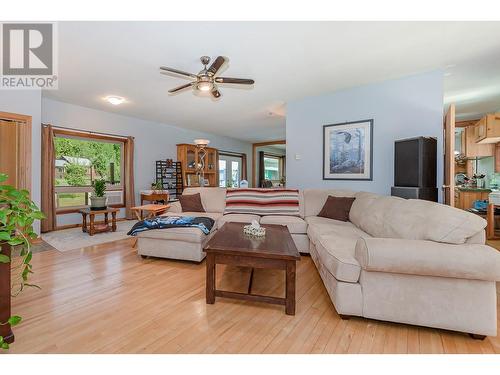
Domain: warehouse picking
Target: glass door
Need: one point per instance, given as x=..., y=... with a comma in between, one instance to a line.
x=229, y=171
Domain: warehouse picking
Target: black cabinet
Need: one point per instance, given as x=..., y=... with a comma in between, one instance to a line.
x=415, y=168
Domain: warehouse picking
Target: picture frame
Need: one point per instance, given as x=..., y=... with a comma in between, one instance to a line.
x=348, y=151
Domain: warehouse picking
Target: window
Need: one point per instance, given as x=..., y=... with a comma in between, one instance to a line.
x=272, y=168
x=222, y=173
x=82, y=159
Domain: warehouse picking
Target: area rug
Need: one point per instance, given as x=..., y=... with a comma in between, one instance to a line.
x=74, y=238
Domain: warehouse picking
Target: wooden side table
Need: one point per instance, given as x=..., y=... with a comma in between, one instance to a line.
x=154, y=196
x=151, y=210
x=93, y=228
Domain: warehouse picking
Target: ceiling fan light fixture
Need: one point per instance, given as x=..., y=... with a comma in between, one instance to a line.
x=205, y=86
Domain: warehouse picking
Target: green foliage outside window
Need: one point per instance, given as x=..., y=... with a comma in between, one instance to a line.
x=100, y=155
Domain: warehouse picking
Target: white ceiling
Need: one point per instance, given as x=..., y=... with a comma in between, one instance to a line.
x=287, y=60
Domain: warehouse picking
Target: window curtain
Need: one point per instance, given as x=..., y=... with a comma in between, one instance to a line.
x=129, y=178
x=261, y=169
x=244, y=166
x=48, y=179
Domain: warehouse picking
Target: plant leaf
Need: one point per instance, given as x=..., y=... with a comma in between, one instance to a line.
x=3, y=177
x=4, y=258
x=14, y=320
x=5, y=346
x=15, y=241
x=38, y=215
x=5, y=236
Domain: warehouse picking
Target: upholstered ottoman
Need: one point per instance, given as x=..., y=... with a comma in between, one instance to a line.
x=174, y=243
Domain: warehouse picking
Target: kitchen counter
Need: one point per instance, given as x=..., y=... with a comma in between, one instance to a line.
x=464, y=188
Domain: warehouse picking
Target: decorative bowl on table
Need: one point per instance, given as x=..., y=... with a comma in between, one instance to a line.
x=254, y=229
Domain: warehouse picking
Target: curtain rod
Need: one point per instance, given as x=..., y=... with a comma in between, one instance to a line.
x=87, y=131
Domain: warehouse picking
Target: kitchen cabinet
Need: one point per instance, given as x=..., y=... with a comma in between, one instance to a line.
x=471, y=149
x=464, y=199
x=488, y=129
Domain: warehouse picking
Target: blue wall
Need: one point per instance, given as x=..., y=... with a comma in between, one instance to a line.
x=402, y=108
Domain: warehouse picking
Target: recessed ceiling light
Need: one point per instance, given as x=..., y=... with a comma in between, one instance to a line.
x=450, y=66
x=447, y=74
x=115, y=100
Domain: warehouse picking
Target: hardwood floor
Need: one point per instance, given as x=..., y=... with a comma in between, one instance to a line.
x=107, y=299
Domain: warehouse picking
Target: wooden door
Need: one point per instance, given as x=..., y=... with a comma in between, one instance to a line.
x=449, y=157
x=9, y=151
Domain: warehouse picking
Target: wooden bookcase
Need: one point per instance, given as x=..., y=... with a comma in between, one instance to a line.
x=189, y=157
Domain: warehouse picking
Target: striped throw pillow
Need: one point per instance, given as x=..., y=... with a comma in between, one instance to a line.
x=262, y=202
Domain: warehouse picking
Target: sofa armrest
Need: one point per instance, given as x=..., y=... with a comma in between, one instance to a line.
x=175, y=207
x=428, y=258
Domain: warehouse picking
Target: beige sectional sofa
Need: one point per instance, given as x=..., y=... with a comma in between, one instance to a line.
x=407, y=261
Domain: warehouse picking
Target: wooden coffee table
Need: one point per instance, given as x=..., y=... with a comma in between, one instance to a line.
x=276, y=250
x=99, y=228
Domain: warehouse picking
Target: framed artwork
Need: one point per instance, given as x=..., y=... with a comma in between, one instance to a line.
x=348, y=151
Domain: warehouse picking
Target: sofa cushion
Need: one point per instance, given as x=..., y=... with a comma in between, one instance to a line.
x=317, y=226
x=428, y=258
x=337, y=256
x=237, y=218
x=296, y=225
x=413, y=219
x=314, y=199
x=212, y=198
x=263, y=202
x=337, y=208
x=191, y=203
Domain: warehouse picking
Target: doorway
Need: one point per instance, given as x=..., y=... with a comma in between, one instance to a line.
x=15, y=149
x=230, y=170
x=269, y=164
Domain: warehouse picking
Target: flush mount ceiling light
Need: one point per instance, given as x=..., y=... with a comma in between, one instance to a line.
x=115, y=100
x=207, y=79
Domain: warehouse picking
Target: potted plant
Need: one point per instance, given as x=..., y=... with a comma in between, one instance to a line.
x=98, y=199
x=156, y=186
x=17, y=215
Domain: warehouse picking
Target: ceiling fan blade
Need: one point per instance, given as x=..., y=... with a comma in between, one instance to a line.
x=176, y=71
x=181, y=88
x=216, y=65
x=241, y=81
x=216, y=93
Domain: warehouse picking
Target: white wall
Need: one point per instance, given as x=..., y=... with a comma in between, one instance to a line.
x=28, y=102
x=153, y=141
x=401, y=108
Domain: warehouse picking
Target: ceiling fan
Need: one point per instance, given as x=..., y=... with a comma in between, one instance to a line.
x=206, y=80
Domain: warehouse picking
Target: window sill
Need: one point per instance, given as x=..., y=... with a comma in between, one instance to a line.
x=70, y=210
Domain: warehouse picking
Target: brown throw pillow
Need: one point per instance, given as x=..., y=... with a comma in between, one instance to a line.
x=337, y=208
x=191, y=203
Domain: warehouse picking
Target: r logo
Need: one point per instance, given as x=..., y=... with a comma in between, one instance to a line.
x=27, y=49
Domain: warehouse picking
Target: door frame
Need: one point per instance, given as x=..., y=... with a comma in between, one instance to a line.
x=24, y=147
x=232, y=157
x=449, y=156
x=254, y=154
